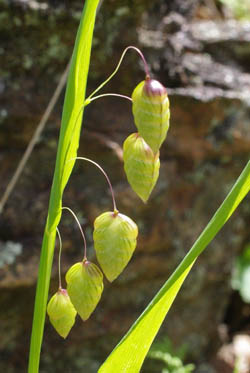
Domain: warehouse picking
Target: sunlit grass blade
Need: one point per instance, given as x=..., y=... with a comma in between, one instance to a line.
x=67, y=149
x=129, y=354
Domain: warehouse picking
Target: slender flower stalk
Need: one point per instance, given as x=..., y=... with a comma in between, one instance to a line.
x=105, y=95
x=59, y=258
x=146, y=68
x=91, y=98
x=79, y=225
x=106, y=176
x=60, y=309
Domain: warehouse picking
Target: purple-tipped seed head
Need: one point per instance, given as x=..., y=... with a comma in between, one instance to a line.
x=154, y=88
x=63, y=291
x=86, y=263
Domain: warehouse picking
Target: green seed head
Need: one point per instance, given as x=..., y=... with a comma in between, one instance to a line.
x=151, y=112
x=85, y=286
x=141, y=165
x=115, y=241
x=61, y=312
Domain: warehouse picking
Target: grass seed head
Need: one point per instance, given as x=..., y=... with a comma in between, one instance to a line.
x=61, y=312
x=115, y=237
x=151, y=112
x=84, y=286
x=141, y=165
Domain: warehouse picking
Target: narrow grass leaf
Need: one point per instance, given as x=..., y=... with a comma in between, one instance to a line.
x=67, y=149
x=129, y=354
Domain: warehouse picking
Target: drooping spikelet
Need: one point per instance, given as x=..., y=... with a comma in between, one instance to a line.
x=85, y=286
x=61, y=312
x=115, y=241
x=151, y=112
x=141, y=165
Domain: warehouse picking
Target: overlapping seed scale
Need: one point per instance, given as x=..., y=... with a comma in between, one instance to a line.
x=115, y=241
x=141, y=165
x=61, y=313
x=151, y=115
x=85, y=286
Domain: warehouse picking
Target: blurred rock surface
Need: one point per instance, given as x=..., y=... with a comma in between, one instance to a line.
x=205, y=65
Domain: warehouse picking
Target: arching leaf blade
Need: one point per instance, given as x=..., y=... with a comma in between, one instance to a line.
x=129, y=354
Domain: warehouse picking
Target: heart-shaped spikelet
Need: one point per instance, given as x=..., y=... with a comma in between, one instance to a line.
x=151, y=112
x=115, y=241
x=85, y=286
x=141, y=165
x=61, y=312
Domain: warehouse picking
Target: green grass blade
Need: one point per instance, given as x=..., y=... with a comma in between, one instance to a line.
x=67, y=149
x=129, y=354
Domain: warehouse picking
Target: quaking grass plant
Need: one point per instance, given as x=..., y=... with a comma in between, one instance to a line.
x=141, y=162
